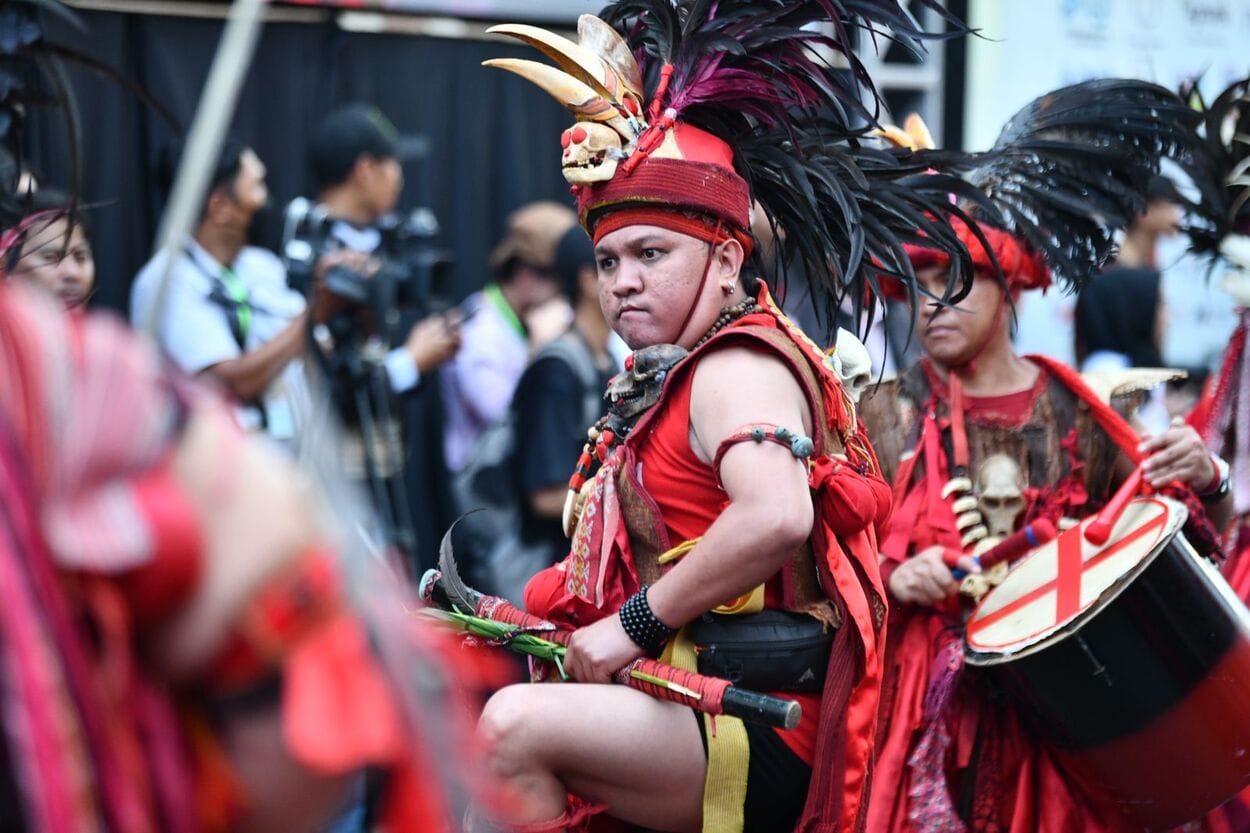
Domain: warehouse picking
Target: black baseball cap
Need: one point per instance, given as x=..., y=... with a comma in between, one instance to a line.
x=354, y=131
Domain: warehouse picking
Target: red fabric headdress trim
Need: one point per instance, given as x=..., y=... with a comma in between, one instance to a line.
x=707, y=229
x=675, y=184
x=1022, y=268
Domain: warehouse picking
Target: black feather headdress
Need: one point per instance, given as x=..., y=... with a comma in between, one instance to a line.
x=1226, y=130
x=779, y=85
x=1074, y=167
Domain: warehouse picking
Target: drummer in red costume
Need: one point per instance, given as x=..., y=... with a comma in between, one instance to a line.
x=978, y=442
x=735, y=491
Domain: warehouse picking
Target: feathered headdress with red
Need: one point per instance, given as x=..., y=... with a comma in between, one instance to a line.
x=1067, y=173
x=691, y=114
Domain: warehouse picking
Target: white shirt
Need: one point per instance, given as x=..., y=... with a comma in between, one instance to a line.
x=195, y=326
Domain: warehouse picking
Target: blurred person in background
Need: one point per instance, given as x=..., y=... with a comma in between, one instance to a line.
x=518, y=311
x=1121, y=318
x=559, y=396
x=228, y=312
x=52, y=248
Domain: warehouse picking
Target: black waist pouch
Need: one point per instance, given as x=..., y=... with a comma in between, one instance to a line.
x=773, y=650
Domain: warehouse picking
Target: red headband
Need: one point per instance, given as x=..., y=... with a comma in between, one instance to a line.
x=707, y=229
x=673, y=192
x=1022, y=268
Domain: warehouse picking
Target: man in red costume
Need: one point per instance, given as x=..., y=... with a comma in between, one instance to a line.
x=736, y=493
x=952, y=754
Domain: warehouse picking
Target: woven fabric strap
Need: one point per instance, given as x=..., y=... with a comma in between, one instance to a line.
x=728, y=756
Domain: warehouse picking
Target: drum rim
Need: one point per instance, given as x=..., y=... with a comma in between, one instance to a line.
x=1178, y=515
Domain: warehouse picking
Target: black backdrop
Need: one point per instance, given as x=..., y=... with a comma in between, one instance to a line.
x=494, y=138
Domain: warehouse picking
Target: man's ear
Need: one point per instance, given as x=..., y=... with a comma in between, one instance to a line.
x=360, y=168
x=216, y=204
x=729, y=259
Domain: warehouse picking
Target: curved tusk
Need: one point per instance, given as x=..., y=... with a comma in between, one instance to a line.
x=973, y=535
x=607, y=43
x=919, y=132
x=566, y=517
x=956, y=484
x=895, y=136
x=985, y=545
x=967, y=503
x=968, y=520
x=580, y=100
x=573, y=58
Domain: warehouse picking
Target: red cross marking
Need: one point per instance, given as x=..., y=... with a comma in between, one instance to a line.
x=1070, y=570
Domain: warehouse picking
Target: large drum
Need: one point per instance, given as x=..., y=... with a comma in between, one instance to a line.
x=1132, y=658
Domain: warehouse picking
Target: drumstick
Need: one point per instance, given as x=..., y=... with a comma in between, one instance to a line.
x=1099, y=530
x=1009, y=549
x=1019, y=542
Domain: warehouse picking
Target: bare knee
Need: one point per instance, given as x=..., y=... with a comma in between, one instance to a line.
x=508, y=727
x=511, y=727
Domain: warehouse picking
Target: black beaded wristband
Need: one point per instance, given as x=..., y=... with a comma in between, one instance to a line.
x=641, y=625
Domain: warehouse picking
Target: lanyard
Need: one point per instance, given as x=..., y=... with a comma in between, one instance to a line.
x=493, y=294
x=237, y=291
x=234, y=293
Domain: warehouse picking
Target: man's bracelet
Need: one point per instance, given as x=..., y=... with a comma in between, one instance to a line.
x=641, y=625
x=1219, y=485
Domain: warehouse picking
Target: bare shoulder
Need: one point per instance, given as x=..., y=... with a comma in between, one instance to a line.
x=737, y=386
x=741, y=373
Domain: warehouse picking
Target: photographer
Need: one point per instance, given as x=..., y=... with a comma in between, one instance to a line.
x=228, y=312
x=355, y=158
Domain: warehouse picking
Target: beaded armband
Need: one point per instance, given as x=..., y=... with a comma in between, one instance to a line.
x=641, y=625
x=800, y=446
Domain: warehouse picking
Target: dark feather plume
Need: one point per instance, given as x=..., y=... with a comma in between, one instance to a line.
x=795, y=103
x=1073, y=168
x=1226, y=132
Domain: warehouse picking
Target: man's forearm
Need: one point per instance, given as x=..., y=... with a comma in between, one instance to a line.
x=248, y=376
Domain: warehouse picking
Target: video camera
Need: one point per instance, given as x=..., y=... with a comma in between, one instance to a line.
x=413, y=275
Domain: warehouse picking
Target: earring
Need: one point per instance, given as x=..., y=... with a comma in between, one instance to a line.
x=728, y=287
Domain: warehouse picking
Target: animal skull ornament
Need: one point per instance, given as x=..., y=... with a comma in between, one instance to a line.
x=1000, y=494
x=633, y=391
x=591, y=152
x=854, y=364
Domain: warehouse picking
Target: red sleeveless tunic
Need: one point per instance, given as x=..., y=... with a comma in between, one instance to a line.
x=688, y=494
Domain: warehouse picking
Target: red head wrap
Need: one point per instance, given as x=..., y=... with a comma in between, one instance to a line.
x=697, y=192
x=1022, y=268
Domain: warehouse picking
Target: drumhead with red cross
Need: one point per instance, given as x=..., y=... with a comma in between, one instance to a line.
x=1068, y=580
